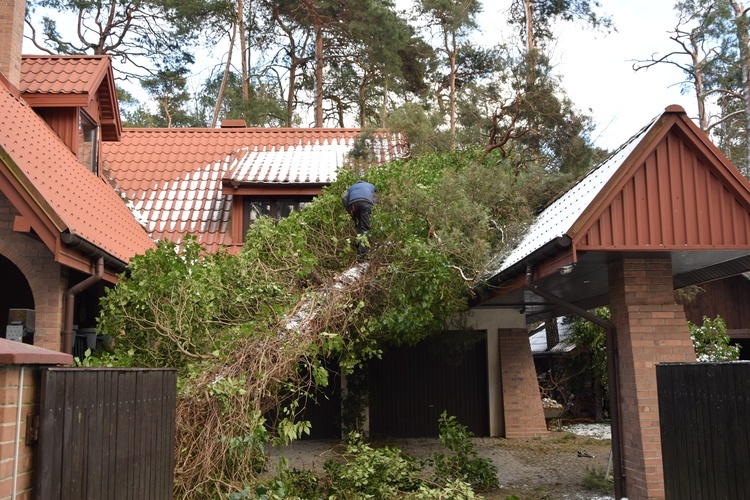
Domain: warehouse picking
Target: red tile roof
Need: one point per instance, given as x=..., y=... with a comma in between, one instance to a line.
x=174, y=176
x=62, y=74
x=64, y=191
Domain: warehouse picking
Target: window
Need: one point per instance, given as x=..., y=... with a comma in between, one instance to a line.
x=88, y=142
x=276, y=208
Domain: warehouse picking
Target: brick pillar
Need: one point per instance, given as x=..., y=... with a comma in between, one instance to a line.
x=12, y=14
x=522, y=404
x=651, y=328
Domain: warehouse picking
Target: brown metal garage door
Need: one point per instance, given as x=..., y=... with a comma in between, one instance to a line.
x=412, y=385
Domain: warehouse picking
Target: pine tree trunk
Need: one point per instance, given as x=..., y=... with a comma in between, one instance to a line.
x=243, y=49
x=227, y=68
x=318, y=74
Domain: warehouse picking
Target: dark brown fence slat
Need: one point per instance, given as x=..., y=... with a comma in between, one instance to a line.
x=95, y=436
x=705, y=432
x=106, y=433
x=71, y=446
x=742, y=443
x=50, y=430
x=110, y=423
x=125, y=430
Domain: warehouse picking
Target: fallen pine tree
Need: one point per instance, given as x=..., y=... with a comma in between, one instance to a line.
x=248, y=332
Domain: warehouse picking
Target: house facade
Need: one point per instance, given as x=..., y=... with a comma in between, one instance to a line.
x=64, y=232
x=80, y=196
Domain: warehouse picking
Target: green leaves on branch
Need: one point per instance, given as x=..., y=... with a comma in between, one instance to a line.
x=711, y=341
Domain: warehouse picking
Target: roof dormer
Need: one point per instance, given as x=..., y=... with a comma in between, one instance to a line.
x=76, y=96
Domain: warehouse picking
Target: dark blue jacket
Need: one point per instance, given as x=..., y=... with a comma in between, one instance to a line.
x=359, y=191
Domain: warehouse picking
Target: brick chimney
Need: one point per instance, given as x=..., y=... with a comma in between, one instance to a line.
x=228, y=123
x=12, y=13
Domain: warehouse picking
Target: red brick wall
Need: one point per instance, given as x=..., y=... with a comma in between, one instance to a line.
x=23, y=463
x=651, y=328
x=11, y=38
x=47, y=279
x=522, y=404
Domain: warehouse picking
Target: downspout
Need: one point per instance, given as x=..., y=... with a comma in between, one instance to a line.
x=614, y=386
x=70, y=303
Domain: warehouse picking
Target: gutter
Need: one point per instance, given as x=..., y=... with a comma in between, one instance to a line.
x=560, y=243
x=612, y=363
x=70, y=303
x=78, y=243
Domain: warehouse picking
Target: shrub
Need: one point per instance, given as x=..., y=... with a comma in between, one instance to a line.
x=711, y=341
x=372, y=472
x=462, y=462
x=594, y=480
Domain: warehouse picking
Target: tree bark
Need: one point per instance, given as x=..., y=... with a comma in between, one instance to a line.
x=529, y=7
x=318, y=74
x=243, y=49
x=224, y=78
x=449, y=40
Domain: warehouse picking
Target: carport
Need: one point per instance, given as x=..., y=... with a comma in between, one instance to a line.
x=665, y=211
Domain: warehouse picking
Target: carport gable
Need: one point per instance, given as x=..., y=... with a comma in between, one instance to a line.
x=676, y=191
x=668, y=190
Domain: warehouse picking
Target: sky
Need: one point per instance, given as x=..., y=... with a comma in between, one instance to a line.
x=597, y=68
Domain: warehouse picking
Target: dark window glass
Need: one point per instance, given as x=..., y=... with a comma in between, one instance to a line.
x=276, y=208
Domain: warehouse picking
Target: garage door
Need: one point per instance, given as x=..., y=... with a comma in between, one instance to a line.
x=411, y=386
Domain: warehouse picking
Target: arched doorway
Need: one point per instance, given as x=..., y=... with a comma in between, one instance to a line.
x=15, y=292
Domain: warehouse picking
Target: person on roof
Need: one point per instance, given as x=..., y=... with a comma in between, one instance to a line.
x=358, y=200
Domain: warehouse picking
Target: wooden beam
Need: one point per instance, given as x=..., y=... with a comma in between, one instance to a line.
x=739, y=333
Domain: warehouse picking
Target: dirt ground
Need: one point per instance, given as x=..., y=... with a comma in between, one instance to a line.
x=546, y=468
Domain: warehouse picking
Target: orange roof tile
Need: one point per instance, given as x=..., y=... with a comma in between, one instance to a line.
x=62, y=74
x=174, y=176
x=63, y=190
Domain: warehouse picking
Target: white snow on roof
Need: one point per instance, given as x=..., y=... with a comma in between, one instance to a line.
x=173, y=201
x=538, y=341
x=303, y=163
x=558, y=218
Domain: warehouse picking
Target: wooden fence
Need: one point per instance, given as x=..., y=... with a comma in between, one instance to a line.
x=106, y=433
x=705, y=431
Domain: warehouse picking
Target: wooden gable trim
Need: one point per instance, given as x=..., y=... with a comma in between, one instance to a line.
x=272, y=190
x=109, y=114
x=18, y=188
x=676, y=191
x=57, y=100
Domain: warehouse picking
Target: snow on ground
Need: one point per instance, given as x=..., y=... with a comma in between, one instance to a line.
x=595, y=431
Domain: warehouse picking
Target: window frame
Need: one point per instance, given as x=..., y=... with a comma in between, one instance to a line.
x=296, y=202
x=88, y=124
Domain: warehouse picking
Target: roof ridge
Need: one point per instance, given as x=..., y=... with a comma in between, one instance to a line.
x=61, y=56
